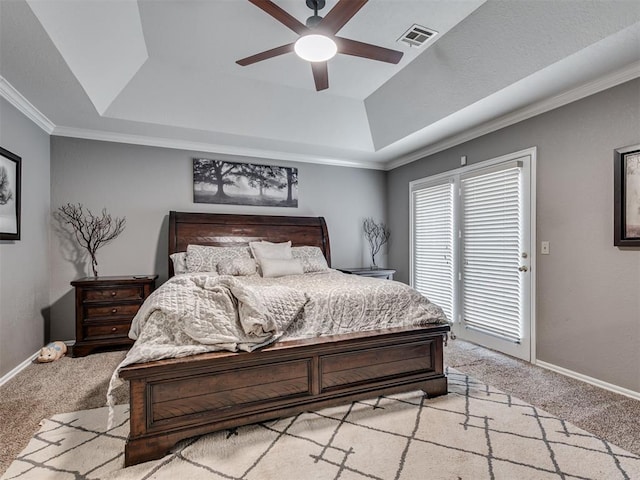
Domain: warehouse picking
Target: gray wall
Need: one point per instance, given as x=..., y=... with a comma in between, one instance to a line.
x=24, y=264
x=145, y=183
x=588, y=291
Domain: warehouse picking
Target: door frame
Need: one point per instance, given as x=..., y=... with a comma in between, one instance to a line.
x=530, y=152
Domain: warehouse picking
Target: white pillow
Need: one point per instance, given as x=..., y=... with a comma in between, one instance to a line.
x=262, y=250
x=179, y=262
x=202, y=258
x=279, y=267
x=237, y=266
x=312, y=259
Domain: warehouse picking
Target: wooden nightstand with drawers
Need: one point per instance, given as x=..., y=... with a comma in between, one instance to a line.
x=105, y=307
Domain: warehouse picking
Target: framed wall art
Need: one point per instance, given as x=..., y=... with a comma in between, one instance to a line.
x=627, y=196
x=9, y=195
x=217, y=181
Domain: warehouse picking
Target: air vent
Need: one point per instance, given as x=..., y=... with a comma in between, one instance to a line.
x=417, y=36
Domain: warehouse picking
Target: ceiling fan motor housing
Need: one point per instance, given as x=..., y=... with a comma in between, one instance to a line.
x=316, y=4
x=313, y=21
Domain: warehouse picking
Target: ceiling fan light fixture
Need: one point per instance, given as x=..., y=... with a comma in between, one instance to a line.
x=315, y=48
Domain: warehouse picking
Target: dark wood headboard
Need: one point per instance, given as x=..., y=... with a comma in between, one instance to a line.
x=227, y=230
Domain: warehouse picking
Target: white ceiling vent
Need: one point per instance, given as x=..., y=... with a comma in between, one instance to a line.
x=417, y=36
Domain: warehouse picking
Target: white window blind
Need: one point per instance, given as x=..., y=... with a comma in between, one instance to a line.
x=433, y=266
x=491, y=250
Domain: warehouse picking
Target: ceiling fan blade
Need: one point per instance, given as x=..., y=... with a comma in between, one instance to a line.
x=367, y=50
x=258, y=57
x=320, y=75
x=340, y=15
x=279, y=14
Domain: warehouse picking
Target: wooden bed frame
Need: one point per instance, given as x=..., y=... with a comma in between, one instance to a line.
x=180, y=398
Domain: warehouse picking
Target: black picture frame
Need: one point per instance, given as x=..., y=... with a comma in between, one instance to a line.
x=10, y=181
x=626, y=174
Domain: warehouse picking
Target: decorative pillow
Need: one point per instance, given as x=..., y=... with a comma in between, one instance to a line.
x=201, y=258
x=179, y=262
x=237, y=266
x=278, y=267
x=262, y=250
x=312, y=259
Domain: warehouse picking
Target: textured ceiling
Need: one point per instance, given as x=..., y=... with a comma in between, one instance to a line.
x=163, y=72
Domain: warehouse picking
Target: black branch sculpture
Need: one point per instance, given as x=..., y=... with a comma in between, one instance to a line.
x=377, y=235
x=91, y=231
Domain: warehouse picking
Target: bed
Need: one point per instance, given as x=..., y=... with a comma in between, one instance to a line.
x=177, y=398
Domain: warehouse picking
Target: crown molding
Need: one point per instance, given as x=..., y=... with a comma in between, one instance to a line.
x=605, y=82
x=210, y=148
x=613, y=79
x=15, y=98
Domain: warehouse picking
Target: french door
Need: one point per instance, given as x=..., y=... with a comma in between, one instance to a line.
x=472, y=250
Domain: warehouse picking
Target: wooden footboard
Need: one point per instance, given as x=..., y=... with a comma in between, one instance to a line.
x=179, y=398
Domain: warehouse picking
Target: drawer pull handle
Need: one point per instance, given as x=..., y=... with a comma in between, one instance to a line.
x=115, y=310
x=113, y=294
x=114, y=329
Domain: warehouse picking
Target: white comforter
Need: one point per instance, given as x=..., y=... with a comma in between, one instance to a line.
x=200, y=312
x=197, y=313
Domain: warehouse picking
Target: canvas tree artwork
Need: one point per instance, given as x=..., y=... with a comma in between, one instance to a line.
x=218, y=181
x=6, y=194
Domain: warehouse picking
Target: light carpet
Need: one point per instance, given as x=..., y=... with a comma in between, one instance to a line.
x=475, y=432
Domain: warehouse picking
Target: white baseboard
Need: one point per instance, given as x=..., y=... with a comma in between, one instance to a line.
x=9, y=375
x=549, y=366
x=593, y=381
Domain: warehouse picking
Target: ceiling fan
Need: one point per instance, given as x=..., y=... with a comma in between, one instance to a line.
x=318, y=41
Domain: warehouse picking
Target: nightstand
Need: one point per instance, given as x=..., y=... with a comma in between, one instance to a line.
x=105, y=307
x=384, y=273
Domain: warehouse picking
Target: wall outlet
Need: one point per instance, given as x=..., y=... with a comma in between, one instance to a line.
x=544, y=248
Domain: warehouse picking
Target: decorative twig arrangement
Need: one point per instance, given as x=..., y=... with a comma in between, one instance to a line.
x=91, y=231
x=377, y=234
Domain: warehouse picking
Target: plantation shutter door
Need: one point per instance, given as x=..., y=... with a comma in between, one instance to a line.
x=433, y=260
x=491, y=232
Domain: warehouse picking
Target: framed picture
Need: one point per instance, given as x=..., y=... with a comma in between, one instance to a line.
x=627, y=196
x=217, y=181
x=9, y=195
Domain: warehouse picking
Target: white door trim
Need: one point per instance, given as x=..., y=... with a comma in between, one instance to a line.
x=530, y=152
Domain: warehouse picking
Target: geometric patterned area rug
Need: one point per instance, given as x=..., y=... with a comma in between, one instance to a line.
x=475, y=432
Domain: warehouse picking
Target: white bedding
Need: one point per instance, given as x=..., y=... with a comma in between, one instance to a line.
x=198, y=312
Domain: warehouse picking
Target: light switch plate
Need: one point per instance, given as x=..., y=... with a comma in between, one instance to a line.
x=544, y=248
